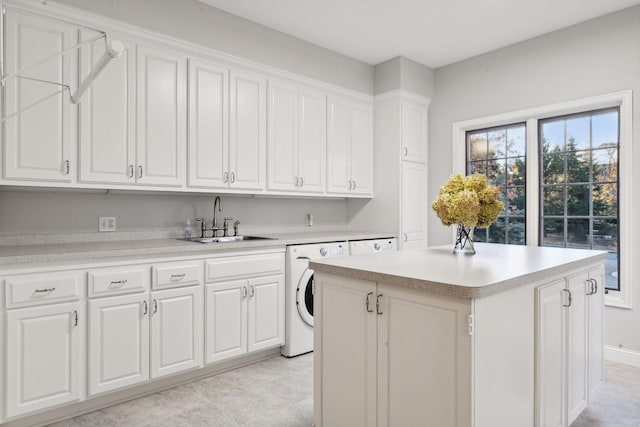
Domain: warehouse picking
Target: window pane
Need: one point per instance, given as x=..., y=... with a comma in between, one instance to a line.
x=578, y=134
x=553, y=168
x=553, y=200
x=478, y=167
x=496, y=172
x=480, y=235
x=578, y=233
x=552, y=136
x=515, y=231
x=516, y=141
x=497, y=143
x=605, y=165
x=516, y=170
x=605, y=234
x=578, y=200
x=605, y=129
x=497, y=231
x=552, y=232
x=478, y=146
x=605, y=200
x=578, y=166
x=515, y=200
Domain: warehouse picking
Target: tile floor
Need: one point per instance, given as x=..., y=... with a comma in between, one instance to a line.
x=278, y=392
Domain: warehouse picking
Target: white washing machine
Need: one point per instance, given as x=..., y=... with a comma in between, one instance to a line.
x=299, y=293
x=358, y=247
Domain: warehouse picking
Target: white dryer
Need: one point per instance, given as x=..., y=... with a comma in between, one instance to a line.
x=358, y=247
x=299, y=293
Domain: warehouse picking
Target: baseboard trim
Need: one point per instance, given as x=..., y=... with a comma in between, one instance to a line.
x=621, y=355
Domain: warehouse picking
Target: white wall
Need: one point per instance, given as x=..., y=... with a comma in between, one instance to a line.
x=50, y=212
x=596, y=57
x=204, y=25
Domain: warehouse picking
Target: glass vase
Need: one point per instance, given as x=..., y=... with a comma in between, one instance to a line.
x=464, y=240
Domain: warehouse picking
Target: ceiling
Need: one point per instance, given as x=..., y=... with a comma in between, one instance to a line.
x=431, y=32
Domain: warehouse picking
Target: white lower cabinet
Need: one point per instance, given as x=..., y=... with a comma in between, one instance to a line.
x=44, y=364
x=147, y=335
x=396, y=370
x=244, y=305
x=570, y=346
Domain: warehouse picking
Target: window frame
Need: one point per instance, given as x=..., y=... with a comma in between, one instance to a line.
x=624, y=101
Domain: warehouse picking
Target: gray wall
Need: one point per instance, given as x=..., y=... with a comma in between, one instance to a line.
x=51, y=212
x=403, y=73
x=596, y=57
x=213, y=28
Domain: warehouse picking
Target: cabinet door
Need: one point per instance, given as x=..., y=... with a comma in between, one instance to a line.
x=550, y=351
x=312, y=141
x=414, y=131
x=226, y=320
x=282, y=136
x=266, y=313
x=578, y=346
x=176, y=330
x=344, y=381
x=596, y=331
x=338, y=146
x=412, y=208
x=361, y=152
x=39, y=130
x=43, y=357
x=161, y=117
x=418, y=380
x=208, y=125
x=107, y=118
x=118, y=342
x=247, y=135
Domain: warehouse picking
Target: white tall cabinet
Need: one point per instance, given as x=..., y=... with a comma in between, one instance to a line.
x=39, y=133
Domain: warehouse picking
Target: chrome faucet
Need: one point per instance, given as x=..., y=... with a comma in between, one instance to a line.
x=217, y=207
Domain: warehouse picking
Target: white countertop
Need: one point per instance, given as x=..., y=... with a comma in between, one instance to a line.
x=12, y=255
x=494, y=268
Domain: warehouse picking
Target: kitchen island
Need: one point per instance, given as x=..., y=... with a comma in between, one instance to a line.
x=511, y=336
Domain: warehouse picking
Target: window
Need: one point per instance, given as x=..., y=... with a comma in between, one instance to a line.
x=579, y=184
x=564, y=188
x=499, y=154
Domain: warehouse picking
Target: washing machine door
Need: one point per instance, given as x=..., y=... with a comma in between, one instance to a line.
x=304, y=297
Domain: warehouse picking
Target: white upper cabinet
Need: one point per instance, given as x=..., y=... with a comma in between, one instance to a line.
x=208, y=125
x=161, y=119
x=39, y=130
x=414, y=130
x=107, y=117
x=349, y=146
x=296, y=138
x=247, y=133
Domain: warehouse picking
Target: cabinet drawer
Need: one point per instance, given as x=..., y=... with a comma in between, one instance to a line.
x=172, y=275
x=46, y=288
x=116, y=281
x=237, y=267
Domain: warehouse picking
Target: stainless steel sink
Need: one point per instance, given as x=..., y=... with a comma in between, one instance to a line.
x=226, y=239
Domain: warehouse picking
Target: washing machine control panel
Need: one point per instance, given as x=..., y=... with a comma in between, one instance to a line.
x=333, y=250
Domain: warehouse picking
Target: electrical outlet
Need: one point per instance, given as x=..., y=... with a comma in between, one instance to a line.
x=107, y=223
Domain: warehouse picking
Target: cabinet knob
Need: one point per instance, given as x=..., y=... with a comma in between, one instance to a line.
x=406, y=151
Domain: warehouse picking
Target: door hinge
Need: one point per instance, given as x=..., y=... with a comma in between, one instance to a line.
x=470, y=324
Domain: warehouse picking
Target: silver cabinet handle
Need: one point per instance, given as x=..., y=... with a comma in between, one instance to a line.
x=406, y=151
x=369, y=309
x=253, y=291
x=354, y=185
x=139, y=172
x=350, y=185
x=67, y=167
x=225, y=177
x=118, y=283
x=244, y=292
x=569, y=298
x=295, y=182
x=233, y=177
x=406, y=237
x=146, y=308
x=301, y=181
x=595, y=286
x=131, y=171
x=178, y=276
x=155, y=306
x=45, y=290
x=589, y=287
x=378, y=305
x=75, y=317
